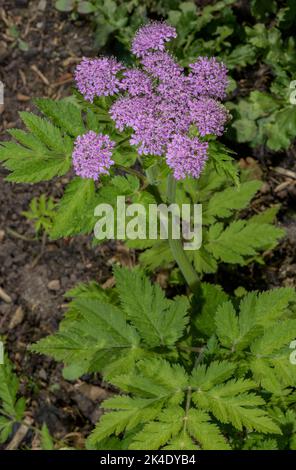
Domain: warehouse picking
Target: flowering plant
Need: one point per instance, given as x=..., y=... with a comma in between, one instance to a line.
x=158, y=117
x=204, y=370
x=159, y=103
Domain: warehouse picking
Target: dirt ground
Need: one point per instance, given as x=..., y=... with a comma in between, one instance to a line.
x=39, y=48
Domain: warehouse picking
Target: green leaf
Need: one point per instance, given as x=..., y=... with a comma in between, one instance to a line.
x=96, y=339
x=156, y=434
x=206, y=377
x=45, y=131
x=282, y=132
x=64, y=114
x=130, y=412
x=274, y=338
x=256, y=311
x=264, y=308
x=227, y=325
x=33, y=165
x=266, y=217
x=46, y=439
x=75, y=211
x=204, y=262
x=241, y=56
x=204, y=432
x=223, y=204
x=157, y=256
x=41, y=212
x=246, y=130
x=124, y=156
x=97, y=335
x=208, y=299
x=86, y=7
x=223, y=162
x=23, y=45
x=181, y=442
x=160, y=321
x=241, y=240
x=11, y=408
x=155, y=378
x=229, y=403
x=65, y=5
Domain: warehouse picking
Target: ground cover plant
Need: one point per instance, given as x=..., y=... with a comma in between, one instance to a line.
x=201, y=370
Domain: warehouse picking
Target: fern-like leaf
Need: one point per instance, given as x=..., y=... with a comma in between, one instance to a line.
x=157, y=433
x=11, y=408
x=206, y=433
x=159, y=320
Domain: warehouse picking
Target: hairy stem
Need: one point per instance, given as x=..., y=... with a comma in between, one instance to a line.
x=176, y=246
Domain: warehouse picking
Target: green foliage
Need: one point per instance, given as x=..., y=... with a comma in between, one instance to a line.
x=46, y=439
x=64, y=114
x=45, y=150
x=40, y=155
x=261, y=119
x=115, y=336
x=12, y=408
x=260, y=334
x=81, y=6
x=232, y=393
x=226, y=237
x=15, y=37
x=75, y=211
x=264, y=40
x=119, y=20
x=41, y=212
x=158, y=389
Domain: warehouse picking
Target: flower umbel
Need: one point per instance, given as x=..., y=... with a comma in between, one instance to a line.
x=186, y=156
x=92, y=155
x=97, y=77
x=152, y=37
x=136, y=82
x=208, y=115
x=208, y=77
x=157, y=103
x=161, y=65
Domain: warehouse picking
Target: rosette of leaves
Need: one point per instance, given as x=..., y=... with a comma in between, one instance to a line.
x=210, y=374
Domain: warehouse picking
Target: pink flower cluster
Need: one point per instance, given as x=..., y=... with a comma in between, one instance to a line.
x=159, y=102
x=92, y=155
x=97, y=77
x=152, y=37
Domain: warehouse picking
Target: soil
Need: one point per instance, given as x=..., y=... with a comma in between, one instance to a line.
x=35, y=273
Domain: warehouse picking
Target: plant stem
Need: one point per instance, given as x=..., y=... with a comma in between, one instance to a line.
x=176, y=246
x=131, y=171
x=20, y=236
x=122, y=141
x=188, y=402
